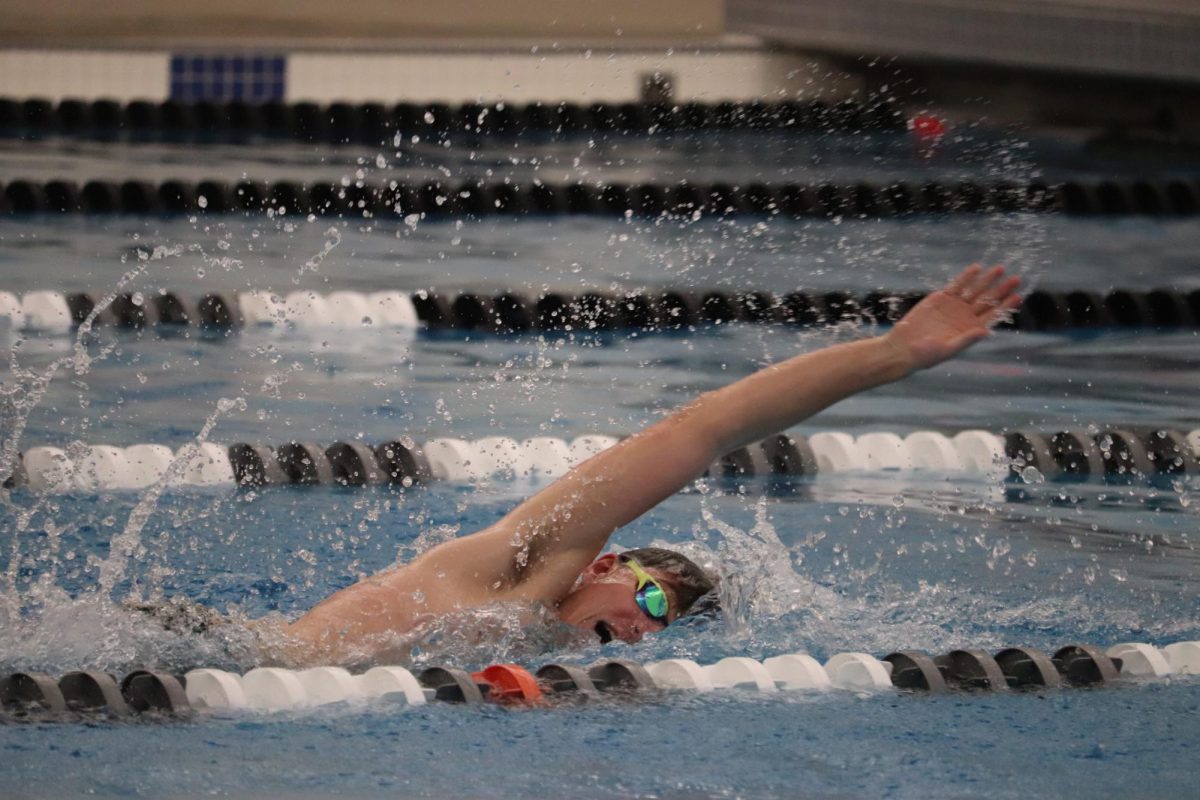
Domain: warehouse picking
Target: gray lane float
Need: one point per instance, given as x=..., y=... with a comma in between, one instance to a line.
x=1027, y=667
x=90, y=690
x=151, y=691
x=27, y=692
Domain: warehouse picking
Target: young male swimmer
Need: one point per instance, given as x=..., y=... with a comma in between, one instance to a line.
x=545, y=550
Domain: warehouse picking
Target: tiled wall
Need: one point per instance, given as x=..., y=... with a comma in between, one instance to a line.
x=577, y=76
x=221, y=78
x=56, y=74
x=735, y=73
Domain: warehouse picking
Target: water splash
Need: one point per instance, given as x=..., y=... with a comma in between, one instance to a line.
x=313, y=264
x=125, y=545
x=19, y=399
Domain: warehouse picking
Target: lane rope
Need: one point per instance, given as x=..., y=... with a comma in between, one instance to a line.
x=475, y=200
x=1113, y=455
x=85, y=694
x=379, y=124
x=512, y=312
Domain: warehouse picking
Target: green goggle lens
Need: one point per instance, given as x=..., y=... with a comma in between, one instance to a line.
x=649, y=595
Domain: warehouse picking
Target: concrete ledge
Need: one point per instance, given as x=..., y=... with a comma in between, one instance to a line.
x=1107, y=37
x=140, y=23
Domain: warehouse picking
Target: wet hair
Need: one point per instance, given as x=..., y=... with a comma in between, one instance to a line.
x=688, y=581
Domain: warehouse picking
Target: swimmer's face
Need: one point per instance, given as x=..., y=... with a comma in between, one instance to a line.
x=604, y=604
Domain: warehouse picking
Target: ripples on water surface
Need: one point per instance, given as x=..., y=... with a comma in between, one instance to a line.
x=869, y=563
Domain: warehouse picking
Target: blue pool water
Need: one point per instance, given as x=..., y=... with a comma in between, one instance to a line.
x=839, y=562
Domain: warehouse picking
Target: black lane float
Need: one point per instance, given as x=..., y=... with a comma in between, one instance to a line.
x=378, y=124
x=509, y=312
x=685, y=201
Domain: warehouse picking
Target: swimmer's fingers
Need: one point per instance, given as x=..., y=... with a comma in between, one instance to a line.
x=965, y=279
x=983, y=284
x=1001, y=295
x=997, y=312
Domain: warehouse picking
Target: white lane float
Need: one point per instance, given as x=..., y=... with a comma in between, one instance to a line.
x=543, y=456
x=1193, y=439
x=1184, y=657
x=48, y=469
x=584, y=447
x=836, y=452
x=1140, y=660
x=980, y=451
x=394, y=684
x=740, y=672
x=259, y=307
x=12, y=315
x=103, y=467
x=147, y=463
x=208, y=465
x=680, y=673
x=349, y=310
x=46, y=311
x=884, y=451
x=325, y=685
x=274, y=689
x=797, y=671
x=496, y=456
x=392, y=310
x=308, y=310
x=858, y=672
x=933, y=452
x=450, y=459
x=214, y=689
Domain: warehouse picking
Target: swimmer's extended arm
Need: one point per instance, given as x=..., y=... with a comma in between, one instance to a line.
x=539, y=549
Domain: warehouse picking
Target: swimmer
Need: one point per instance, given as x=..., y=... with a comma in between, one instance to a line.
x=546, y=551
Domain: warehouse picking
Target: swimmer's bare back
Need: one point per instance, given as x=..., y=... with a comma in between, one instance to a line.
x=537, y=552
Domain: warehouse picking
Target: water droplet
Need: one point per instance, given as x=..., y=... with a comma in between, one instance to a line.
x=1031, y=475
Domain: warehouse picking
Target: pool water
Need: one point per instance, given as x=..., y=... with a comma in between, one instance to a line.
x=837, y=562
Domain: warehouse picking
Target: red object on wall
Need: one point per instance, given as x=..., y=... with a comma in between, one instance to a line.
x=926, y=127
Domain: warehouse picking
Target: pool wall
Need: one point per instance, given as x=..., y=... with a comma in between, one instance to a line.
x=732, y=69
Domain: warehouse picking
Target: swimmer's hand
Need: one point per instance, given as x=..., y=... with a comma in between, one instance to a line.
x=952, y=319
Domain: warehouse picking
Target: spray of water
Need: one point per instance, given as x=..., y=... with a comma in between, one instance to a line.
x=125, y=545
x=55, y=628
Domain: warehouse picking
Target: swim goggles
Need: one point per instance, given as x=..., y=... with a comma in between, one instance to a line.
x=649, y=595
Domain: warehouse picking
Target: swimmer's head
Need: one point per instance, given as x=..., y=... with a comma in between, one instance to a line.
x=607, y=600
